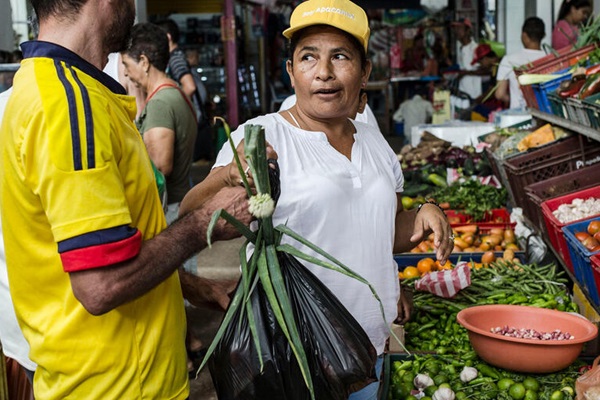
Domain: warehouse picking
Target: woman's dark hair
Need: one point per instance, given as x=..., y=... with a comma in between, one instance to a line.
x=566, y=5
x=151, y=41
x=64, y=8
x=302, y=32
x=534, y=28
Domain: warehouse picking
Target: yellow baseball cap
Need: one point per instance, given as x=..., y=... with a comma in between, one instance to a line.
x=341, y=14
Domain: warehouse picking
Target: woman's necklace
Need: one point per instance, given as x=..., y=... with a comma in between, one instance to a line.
x=293, y=118
x=289, y=111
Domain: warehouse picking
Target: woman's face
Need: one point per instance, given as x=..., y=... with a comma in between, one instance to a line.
x=326, y=73
x=135, y=70
x=581, y=14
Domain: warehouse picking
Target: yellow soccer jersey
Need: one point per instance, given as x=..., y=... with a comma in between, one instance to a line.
x=77, y=191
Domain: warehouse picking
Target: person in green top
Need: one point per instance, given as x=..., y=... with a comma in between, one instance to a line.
x=168, y=120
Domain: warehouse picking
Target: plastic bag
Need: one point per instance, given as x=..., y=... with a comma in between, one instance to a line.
x=587, y=386
x=537, y=251
x=340, y=355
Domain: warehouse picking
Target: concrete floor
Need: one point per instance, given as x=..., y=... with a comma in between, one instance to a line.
x=221, y=261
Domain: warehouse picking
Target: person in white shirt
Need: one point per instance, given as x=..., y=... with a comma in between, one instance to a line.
x=341, y=182
x=14, y=344
x=413, y=112
x=470, y=82
x=508, y=88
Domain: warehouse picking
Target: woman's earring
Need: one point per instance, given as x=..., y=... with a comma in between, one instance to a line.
x=363, y=84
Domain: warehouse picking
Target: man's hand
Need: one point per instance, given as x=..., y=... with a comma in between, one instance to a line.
x=235, y=202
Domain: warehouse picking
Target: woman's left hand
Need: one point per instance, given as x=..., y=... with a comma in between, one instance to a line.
x=431, y=218
x=405, y=306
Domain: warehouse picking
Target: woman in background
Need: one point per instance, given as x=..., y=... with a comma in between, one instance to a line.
x=571, y=15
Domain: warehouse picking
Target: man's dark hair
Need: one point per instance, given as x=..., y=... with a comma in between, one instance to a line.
x=171, y=27
x=534, y=28
x=151, y=41
x=64, y=8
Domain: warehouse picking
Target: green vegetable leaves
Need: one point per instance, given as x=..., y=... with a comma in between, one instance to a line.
x=474, y=197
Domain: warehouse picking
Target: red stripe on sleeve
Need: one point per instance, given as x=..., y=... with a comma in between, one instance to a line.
x=102, y=255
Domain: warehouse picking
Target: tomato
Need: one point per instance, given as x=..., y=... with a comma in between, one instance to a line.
x=589, y=242
x=581, y=236
x=593, y=227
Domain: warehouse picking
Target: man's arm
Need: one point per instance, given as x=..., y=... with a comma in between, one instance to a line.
x=502, y=91
x=100, y=290
x=188, y=85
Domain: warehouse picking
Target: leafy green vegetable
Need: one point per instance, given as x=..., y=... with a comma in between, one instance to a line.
x=475, y=198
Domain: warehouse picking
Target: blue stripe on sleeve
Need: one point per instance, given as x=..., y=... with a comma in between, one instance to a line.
x=74, y=121
x=100, y=237
x=89, y=121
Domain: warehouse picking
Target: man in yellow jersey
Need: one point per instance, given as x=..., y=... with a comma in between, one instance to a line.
x=90, y=264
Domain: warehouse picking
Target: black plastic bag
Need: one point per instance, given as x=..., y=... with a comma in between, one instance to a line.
x=340, y=355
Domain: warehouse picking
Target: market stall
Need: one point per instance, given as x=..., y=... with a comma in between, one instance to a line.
x=529, y=240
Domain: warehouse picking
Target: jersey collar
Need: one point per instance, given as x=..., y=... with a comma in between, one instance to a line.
x=39, y=48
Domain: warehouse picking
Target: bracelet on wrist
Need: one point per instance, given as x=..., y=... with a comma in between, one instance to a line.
x=432, y=202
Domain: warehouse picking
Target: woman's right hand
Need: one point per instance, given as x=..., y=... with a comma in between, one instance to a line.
x=233, y=172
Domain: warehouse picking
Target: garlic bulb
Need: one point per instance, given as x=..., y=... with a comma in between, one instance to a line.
x=422, y=381
x=443, y=394
x=468, y=374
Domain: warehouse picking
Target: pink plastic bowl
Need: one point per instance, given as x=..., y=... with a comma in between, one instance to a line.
x=525, y=355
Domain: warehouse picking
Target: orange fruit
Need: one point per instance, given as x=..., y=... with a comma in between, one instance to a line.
x=400, y=275
x=446, y=265
x=426, y=265
x=410, y=272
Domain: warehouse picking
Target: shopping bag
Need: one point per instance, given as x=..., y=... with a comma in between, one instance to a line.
x=340, y=355
x=587, y=386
